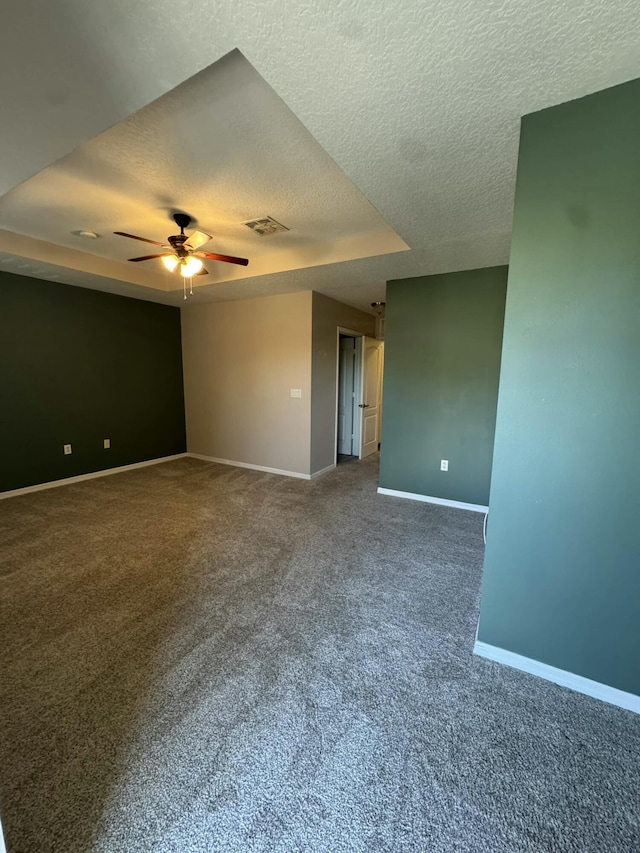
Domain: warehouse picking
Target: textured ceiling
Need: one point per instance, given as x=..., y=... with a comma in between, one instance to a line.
x=417, y=102
x=221, y=146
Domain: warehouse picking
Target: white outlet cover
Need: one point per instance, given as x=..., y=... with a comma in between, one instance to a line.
x=444, y=464
x=296, y=392
x=67, y=449
x=107, y=443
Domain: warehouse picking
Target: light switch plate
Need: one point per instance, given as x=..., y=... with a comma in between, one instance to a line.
x=107, y=443
x=296, y=392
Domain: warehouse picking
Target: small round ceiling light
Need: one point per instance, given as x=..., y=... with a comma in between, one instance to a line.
x=90, y=235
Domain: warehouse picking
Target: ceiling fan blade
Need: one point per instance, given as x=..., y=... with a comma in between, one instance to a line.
x=149, y=257
x=229, y=259
x=197, y=239
x=142, y=239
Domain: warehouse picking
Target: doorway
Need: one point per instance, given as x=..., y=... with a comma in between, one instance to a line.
x=359, y=396
x=348, y=448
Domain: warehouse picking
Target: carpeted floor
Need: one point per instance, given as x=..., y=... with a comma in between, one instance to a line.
x=204, y=658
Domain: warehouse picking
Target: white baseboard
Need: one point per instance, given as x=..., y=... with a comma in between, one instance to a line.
x=80, y=478
x=323, y=471
x=431, y=500
x=266, y=470
x=612, y=695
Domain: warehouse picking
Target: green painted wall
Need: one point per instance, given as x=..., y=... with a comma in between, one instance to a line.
x=443, y=335
x=562, y=567
x=78, y=366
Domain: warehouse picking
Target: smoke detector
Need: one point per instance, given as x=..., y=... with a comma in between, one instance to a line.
x=266, y=226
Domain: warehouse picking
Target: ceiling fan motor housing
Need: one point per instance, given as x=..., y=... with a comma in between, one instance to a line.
x=177, y=244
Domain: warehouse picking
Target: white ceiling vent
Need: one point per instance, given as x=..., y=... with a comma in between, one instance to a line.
x=266, y=226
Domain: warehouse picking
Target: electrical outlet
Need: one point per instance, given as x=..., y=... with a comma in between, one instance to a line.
x=296, y=392
x=107, y=443
x=444, y=464
x=67, y=449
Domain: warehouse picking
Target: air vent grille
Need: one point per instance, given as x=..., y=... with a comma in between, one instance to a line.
x=266, y=226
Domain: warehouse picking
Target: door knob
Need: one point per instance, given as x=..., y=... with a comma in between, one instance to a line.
x=363, y=405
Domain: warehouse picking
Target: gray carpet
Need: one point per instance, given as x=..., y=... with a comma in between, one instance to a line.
x=203, y=658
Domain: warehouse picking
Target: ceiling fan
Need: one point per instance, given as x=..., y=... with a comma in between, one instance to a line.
x=184, y=256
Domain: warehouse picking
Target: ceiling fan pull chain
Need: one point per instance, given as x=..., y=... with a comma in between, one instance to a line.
x=191, y=286
x=184, y=285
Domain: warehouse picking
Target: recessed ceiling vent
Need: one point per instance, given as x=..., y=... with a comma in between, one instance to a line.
x=266, y=226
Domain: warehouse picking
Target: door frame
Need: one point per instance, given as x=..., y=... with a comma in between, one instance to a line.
x=357, y=411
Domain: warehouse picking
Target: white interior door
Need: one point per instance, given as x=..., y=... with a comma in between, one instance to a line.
x=371, y=393
x=346, y=394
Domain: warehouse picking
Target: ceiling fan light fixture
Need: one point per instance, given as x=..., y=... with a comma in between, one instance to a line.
x=191, y=266
x=182, y=255
x=170, y=262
